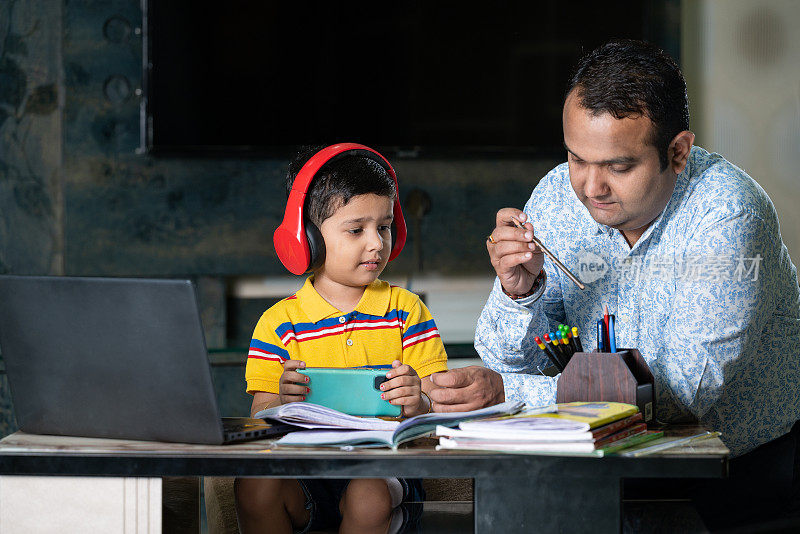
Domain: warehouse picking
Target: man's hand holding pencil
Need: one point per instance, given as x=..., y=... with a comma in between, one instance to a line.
x=516, y=259
x=515, y=264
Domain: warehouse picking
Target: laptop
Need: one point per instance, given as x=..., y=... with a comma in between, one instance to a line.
x=113, y=358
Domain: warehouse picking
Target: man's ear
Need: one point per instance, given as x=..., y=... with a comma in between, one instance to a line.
x=679, y=150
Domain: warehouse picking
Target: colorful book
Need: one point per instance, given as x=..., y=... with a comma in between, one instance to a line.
x=632, y=430
x=604, y=431
x=594, y=428
x=594, y=414
x=526, y=428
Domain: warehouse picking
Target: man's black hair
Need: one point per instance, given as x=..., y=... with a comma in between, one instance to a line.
x=338, y=181
x=632, y=78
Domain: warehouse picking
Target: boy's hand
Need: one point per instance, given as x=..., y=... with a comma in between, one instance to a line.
x=291, y=385
x=403, y=388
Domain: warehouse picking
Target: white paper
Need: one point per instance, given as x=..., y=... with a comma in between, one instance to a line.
x=512, y=436
x=326, y=438
x=501, y=446
x=312, y=415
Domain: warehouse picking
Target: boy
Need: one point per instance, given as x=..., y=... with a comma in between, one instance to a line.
x=343, y=316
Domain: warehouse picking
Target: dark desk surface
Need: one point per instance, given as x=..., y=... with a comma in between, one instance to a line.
x=513, y=492
x=22, y=453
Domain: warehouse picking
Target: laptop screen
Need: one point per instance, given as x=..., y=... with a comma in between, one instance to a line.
x=107, y=357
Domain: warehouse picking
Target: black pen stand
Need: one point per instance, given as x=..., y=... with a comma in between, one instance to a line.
x=621, y=376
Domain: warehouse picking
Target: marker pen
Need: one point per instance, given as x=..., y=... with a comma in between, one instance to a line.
x=612, y=337
x=601, y=347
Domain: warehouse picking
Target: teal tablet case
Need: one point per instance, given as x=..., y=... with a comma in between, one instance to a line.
x=354, y=391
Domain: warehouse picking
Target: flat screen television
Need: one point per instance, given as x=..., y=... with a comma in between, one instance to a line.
x=413, y=77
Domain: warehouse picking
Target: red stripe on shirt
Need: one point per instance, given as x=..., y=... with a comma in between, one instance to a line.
x=322, y=335
x=264, y=355
x=370, y=324
x=432, y=333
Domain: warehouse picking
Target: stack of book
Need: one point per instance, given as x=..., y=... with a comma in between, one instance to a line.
x=590, y=428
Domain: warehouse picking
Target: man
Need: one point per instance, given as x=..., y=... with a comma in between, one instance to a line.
x=680, y=244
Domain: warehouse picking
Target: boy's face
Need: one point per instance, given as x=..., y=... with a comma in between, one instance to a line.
x=358, y=242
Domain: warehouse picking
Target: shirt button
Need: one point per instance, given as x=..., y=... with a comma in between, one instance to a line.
x=349, y=342
x=342, y=319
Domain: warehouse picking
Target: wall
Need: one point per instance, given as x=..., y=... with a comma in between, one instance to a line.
x=129, y=213
x=31, y=106
x=80, y=196
x=742, y=65
x=31, y=148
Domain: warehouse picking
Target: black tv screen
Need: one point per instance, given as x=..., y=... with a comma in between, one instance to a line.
x=416, y=76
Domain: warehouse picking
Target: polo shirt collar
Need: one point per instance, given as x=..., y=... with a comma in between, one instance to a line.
x=374, y=301
x=314, y=306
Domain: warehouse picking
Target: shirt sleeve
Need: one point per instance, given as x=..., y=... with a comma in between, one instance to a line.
x=504, y=345
x=265, y=357
x=422, y=345
x=716, y=335
x=506, y=328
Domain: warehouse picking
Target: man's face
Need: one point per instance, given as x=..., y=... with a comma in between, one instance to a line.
x=615, y=170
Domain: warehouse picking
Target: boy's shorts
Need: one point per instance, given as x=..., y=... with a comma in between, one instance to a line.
x=324, y=494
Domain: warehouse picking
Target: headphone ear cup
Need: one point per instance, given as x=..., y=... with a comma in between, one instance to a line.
x=316, y=245
x=398, y=231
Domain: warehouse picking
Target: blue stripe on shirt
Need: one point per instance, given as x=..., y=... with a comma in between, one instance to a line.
x=419, y=327
x=269, y=347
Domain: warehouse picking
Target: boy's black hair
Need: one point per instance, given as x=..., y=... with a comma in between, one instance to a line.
x=338, y=181
x=627, y=78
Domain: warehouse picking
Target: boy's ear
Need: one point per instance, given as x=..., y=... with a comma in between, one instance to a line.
x=316, y=245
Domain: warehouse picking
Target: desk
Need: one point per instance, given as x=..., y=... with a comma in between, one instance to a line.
x=513, y=493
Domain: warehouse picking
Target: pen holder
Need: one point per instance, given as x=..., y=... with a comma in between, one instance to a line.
x=621, y=376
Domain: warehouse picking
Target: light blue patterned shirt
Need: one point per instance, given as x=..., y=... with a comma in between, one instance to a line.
x=708, y=295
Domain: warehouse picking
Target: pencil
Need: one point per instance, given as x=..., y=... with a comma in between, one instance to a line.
x=556, y=337
x=577, y=339
x=573, y=345
x=563, y=346
x=567, y=348
x=549, y=353
x=552, y=257
x=556, y=348
x=671, y=442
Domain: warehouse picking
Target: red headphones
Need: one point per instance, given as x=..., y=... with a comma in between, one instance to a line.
x=298, y=242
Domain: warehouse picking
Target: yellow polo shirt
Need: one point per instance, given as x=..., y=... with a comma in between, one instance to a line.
x=389, y=323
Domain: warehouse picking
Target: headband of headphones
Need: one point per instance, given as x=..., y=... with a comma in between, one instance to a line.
x=290, y=239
